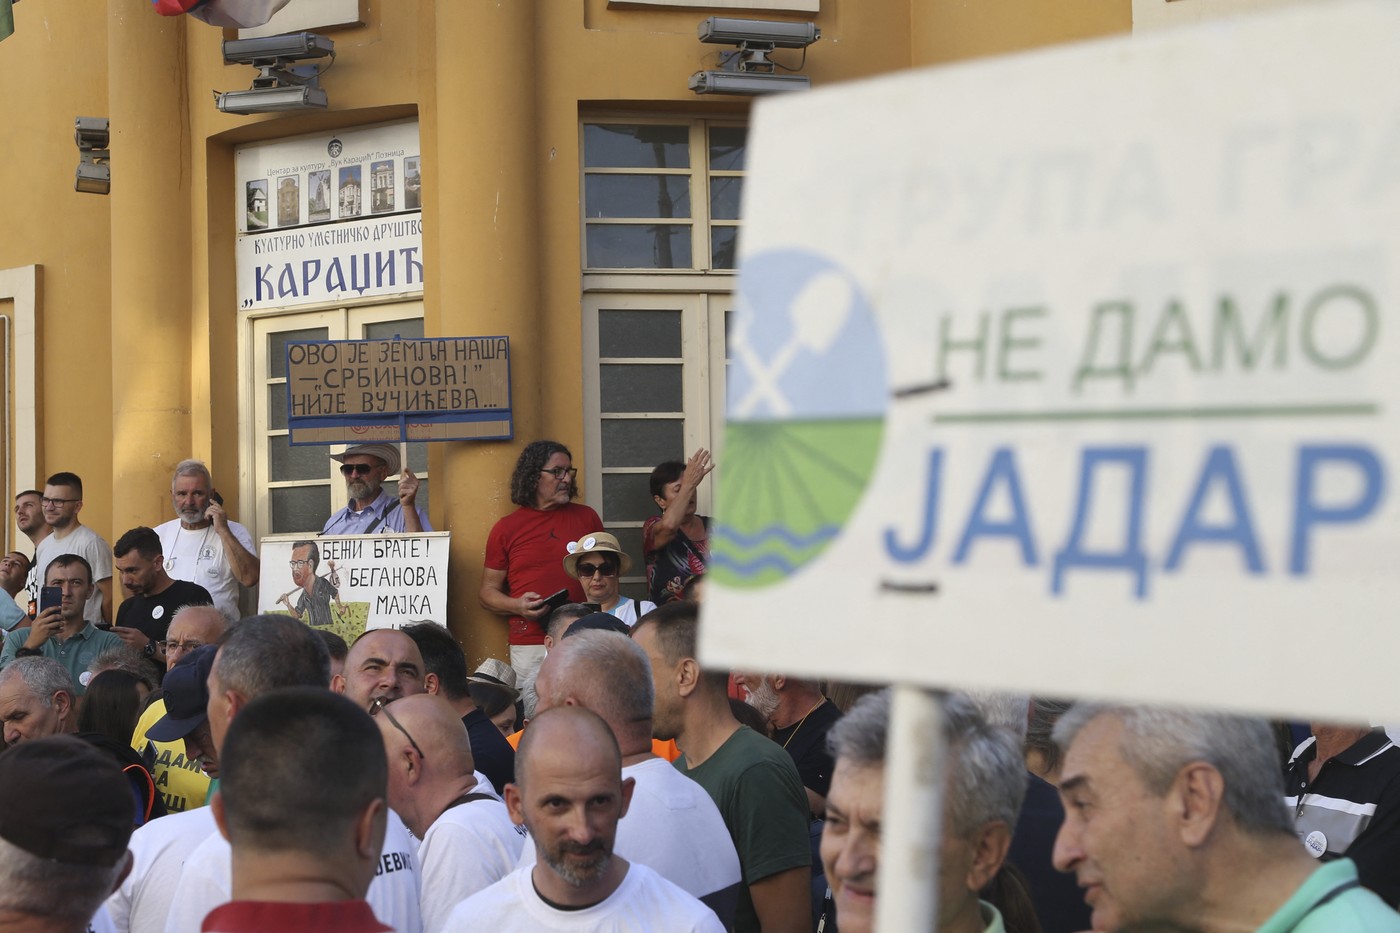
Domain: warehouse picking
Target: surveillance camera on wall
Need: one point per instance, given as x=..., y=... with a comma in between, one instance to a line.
x=91, y=135
x=91, y=132
x=280, y=85
x=292, y=47
x=758, y=33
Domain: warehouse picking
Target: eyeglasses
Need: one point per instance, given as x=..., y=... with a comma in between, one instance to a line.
x=169, y=646
x=297, y=564
x=381, y=704
x=561, y=472
x=46, y=501
x=588, y=570
x=359, y=469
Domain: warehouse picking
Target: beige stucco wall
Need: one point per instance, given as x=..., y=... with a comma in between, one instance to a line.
x=138, y=362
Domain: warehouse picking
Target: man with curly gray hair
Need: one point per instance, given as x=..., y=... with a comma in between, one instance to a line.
x=1174, y=820
x=986, y=781
x=525, y=554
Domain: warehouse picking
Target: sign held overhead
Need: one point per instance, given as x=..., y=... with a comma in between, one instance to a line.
x=1083, y=380
x=435, y=389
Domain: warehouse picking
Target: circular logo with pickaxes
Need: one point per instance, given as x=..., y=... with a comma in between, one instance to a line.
x=807, y=401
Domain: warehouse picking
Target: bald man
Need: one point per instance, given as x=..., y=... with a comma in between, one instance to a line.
x=672, y=826
x=383, y=662
x=469, y=840
x=182, y=782
x=570, y=793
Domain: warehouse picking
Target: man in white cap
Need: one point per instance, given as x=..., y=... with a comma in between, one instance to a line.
x=371, y=510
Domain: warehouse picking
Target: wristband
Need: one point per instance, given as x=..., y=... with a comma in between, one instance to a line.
x=28, y=653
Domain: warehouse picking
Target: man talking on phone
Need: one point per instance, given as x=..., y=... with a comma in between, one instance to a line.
x=202, y=545
x=60, y=632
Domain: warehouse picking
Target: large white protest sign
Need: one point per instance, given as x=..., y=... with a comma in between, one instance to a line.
x=1078, y=372
x=350, y=583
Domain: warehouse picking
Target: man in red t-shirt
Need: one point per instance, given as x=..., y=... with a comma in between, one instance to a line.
x=525, y=554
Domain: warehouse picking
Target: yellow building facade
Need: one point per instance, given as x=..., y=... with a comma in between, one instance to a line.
x=575, y=196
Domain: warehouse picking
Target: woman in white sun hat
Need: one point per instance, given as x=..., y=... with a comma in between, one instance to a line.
x=597, y=561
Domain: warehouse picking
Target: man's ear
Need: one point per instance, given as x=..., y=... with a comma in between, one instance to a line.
x=1195, y=798
x=688, y=676
x=337, y=683
x=777, y=681
x=515, y=804
x=432, y=684
x=628, y=786
x=369, y=829
x=989, y=846
x=216, y=807
x=235, y=701
x=63, y=704
x=128, y=860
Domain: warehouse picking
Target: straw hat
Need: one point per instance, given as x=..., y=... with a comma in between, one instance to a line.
x=386, y=452
x=595, y=542
x=493, y=672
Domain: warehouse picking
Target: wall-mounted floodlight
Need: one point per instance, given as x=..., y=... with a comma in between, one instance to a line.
x=748, y=70
x=729, y=82
x=94, y=175
x=280, y=85
x=758, y=33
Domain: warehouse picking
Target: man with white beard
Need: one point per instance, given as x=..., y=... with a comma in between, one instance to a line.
x=201, y=545
x=371, y=510
x=801, y=717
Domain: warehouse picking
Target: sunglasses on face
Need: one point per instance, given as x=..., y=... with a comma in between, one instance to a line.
x=358, y=469
x=588, y=570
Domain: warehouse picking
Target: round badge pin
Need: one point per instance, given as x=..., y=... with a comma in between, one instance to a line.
x=157, y=612
x=1316, y=843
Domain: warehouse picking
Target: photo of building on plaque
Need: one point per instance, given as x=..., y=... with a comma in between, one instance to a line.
x=289, y=201
x=350, y=191
x=257, y=204
x=318, y=197
x=412, y=185
x=382, y=186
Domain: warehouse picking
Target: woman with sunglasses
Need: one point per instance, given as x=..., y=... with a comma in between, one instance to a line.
x=596, y=560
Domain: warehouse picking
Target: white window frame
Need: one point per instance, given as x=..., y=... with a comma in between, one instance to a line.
x=343, y=321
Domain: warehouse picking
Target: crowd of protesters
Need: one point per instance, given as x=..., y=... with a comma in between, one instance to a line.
x=174, y=766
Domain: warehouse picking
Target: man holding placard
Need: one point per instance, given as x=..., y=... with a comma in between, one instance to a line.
x=370, y=509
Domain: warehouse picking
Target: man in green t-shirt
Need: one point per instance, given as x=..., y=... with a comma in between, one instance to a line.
x=750, y=778
x=1175, y=820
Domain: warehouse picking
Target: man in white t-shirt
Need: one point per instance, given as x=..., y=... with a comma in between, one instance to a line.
x=62, y=501
x=469, y=841
x=570, y=793
x=201, y=545
x=258, y=655
x=672, y=826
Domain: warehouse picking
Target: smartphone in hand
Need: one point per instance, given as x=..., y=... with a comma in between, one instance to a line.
x=50, y=597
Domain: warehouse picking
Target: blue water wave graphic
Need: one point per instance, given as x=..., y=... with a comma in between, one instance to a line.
x=752, y=568
x=787, y=535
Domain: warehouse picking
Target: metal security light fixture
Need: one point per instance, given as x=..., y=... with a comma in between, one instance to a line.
x=280, y=85
x=749, y=70
x=94, y=175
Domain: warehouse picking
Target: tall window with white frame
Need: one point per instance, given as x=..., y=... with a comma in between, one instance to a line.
x=660, y=234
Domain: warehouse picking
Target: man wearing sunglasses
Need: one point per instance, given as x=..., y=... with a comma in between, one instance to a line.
x=371, y=510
